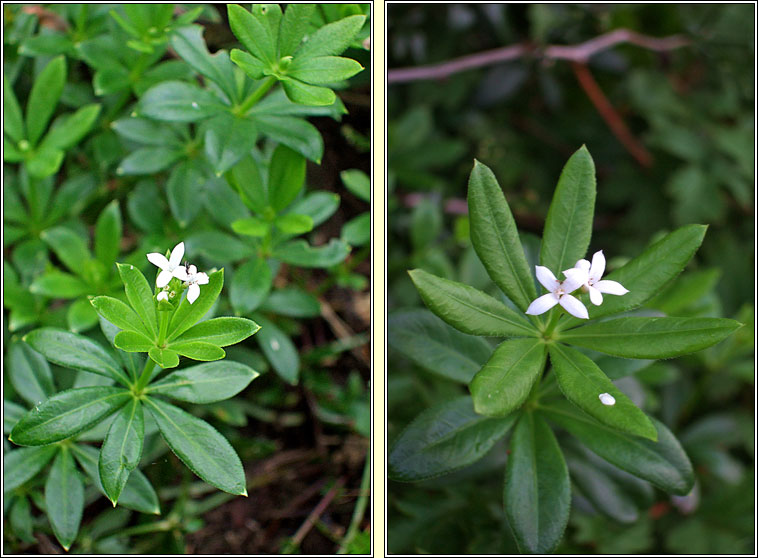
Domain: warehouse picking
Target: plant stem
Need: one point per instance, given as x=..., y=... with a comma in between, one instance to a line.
x=255, y=96
x=360, y=506
x=145, y=376
x=163, y=317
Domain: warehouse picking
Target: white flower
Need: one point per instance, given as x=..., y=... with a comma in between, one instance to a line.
x=163, y=295
x=194, y=279
x=607, y=399
x=169, y=267
x=559, y=294
x=593, y=273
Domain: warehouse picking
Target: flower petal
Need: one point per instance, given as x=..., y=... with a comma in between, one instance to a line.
x=607, y=399
x=192, y=293
x=163, y=278
x=181, y=273
x=546, y=278
x=163, y=295
x=158, y=259
x=201, y=278
x=575, y=278
x=177, y=254
x=583, y=265
x=598, y=266
x=573, y=306
x=595, y=296
x=611, y=287
x=542, y=304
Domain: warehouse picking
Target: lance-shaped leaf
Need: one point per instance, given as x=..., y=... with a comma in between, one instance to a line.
x=67, y=413
x=64, y=498
x=70, y=248
x=165, y=358
x=140, y=296
x=435, y=346
x=133, y=342
x=119, y=314
x=568, y=226
x=205, y=383
x=189, y=44
x=582, y=382
x=663, y=463
x=537, y=488
x=443, y=439
x=504, y=382
x=220, y=331
x=300, y=253
x=177, y=101
x=495, y=238
x=332, y=38
x=648, y=273
x=254, y=34
x=19, y=465
x=651, y=337
x=250, y=285
x=293, y=27
x=122, y=449
x=197, y=350
x=108, y=234
x=200, y=447
x=29, y=373
x=468, y=309
x=44, y=96
x=75, y=351
x=188, y=314
x=279, y=350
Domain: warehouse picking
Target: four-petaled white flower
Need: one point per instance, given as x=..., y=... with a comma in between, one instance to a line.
x=194, y=279
x=607, y=399
x=559, y=294
x=163, y=295
x=593, y=284
x=169, y=267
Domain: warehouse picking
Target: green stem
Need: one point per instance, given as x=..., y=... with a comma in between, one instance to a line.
x=360, y=506
x=147, y=372
x=255, y=96
x=163, y=318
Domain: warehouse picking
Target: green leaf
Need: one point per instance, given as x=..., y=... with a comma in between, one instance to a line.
x=279, y=350
x=358, y=182
x=165, y=358
x=20, y=518
x=81, y=316
x=45, y=162
x=227, y=140
x=205, y=383
x=314, y=95
x=183, y=188
x=662, y=463
x=251, y=65
x=198, y=350
x=12, y=413
x=108, y=235
x=568, y=226
x=296, y=133
x=685, y=291
x=44, y=97
x=495, y=238
x=537, y=488
x=188, y=42
x=294, y=25
x=13, y=123
x=435, y=346
x=504, y=382
x=299, y=252
x=468, y=309
x=149, y=160
x=444, y=438
x=68, y=130
x=75, y=351
x=319, y=206
x=220, y=331
x=200, y=447
x=323, y=70
x=138, y=494
x=188, y=314
x=122, y=449
x=140, y=296
x=332, y=38
x=582, y=382
x=651, y=337
x=119, y=314
x=292, y=223
x=251, y=226
x=286, y=176
x=146, y=131
x=178, y=101
x=58, y=284
x=251, y=284
x=648, y=273
x=20, y=465
x=72, y=196
x=252, y=33
x=67, y=413
x=70, y=248
x=291, y=301
x=357, y=231
x=133, y=342
x=64, y=498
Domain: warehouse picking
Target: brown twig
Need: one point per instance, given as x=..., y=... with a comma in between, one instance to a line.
x=574, y=53
x=609, y=114
x=341, y=329
x=320, y=508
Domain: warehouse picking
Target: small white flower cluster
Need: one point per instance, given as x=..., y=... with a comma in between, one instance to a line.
x=583, y=275
x=171, y=268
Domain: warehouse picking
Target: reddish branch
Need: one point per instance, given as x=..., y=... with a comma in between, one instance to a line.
x=609, y=114
x=316, y=513
x=574, y=53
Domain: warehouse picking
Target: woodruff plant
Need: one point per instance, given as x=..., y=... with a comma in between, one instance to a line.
x=164, y=323
x=516, y=391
